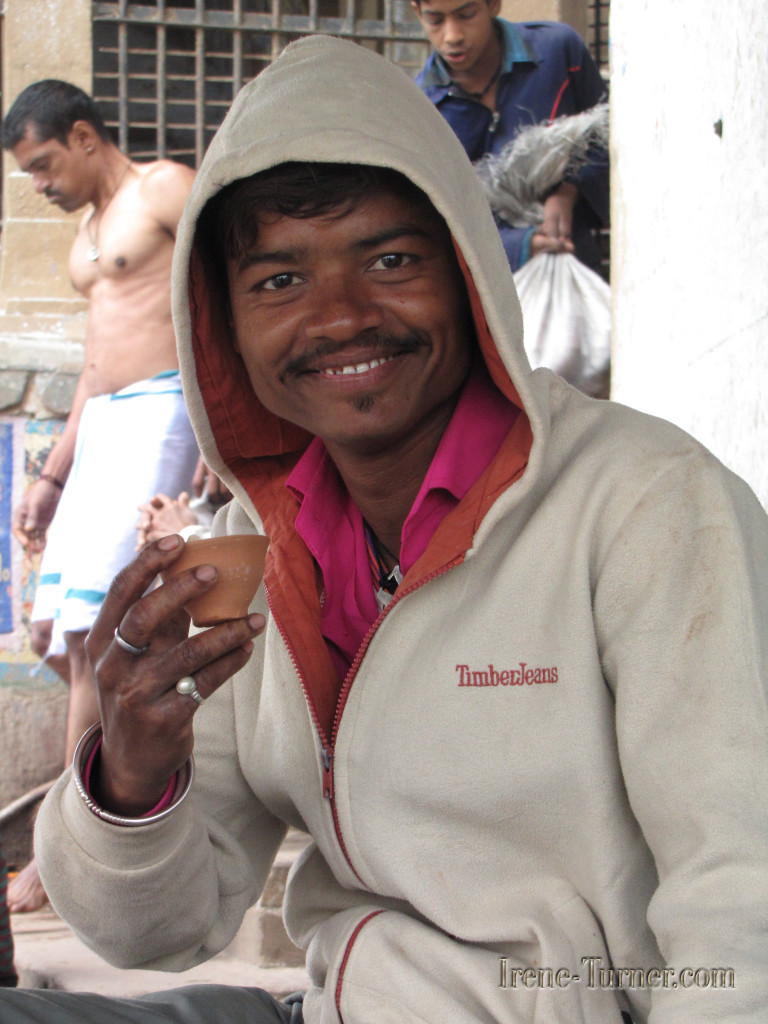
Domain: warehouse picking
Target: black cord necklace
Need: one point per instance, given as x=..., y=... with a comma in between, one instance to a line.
x=480, y=95
x=385, y=581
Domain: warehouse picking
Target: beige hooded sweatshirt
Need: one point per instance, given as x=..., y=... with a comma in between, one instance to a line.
x=549, y=759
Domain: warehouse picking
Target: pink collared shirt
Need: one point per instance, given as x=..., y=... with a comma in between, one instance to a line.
x=331, y=525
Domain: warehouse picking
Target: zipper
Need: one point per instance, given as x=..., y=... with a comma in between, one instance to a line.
x=328, y=773
x=326, y=756
x=328, y=748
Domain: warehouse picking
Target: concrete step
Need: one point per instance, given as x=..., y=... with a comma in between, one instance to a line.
x=262, y=938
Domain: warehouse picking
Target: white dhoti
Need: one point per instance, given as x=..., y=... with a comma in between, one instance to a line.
x=130, y=446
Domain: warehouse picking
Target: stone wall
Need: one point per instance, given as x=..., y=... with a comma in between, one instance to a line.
x=572, y=12
x=41, y=316
x=689, y=152
x=32, y=720
x=42, y=327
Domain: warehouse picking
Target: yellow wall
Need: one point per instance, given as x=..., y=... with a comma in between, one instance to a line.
x=573, y=12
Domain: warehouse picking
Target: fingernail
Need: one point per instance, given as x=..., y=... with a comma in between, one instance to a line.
x=205, y=573
x=169, y=543
x=256, y=621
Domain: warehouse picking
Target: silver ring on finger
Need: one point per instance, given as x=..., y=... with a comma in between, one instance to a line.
x=187, y=687
x=122, y=642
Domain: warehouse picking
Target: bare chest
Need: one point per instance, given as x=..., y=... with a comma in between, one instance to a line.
x=121, y=244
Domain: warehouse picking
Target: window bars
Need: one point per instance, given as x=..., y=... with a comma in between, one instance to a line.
x=165, y=72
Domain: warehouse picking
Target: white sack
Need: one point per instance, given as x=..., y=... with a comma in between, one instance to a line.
x=567, y=320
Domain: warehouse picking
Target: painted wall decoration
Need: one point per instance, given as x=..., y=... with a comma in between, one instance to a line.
x=6, y=499
x=24, y=447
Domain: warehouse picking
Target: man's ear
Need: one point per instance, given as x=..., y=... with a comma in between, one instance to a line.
x=83, y=136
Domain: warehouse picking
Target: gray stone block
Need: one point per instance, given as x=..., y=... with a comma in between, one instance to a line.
x=32, y=724
x=58, y=394
x=263, y=940
x=13, y=386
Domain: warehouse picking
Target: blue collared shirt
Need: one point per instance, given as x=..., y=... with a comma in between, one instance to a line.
x=546, y=72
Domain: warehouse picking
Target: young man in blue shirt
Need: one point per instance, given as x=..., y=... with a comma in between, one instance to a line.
x=490, y=78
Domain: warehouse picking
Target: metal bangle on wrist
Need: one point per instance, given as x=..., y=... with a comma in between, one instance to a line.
x=83, y=752
x=51, y=479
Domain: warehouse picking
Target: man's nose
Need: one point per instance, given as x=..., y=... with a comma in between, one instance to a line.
x=39, y=183
x=343, y=310
x=452, y=30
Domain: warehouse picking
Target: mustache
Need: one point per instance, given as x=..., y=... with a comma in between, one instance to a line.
x=379, y=343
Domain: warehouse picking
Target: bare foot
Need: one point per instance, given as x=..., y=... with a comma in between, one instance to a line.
x=25, y=891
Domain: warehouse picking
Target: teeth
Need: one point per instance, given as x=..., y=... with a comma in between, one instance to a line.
x=344, y=371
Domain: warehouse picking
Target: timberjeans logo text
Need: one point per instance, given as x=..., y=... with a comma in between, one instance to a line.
x=522, y=675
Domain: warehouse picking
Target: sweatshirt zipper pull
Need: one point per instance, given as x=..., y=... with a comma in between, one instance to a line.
x=328, y=772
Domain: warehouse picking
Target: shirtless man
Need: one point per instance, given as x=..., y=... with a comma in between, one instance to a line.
x=125, y=451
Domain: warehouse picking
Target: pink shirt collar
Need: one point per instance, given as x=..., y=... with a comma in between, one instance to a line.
x=331, y=525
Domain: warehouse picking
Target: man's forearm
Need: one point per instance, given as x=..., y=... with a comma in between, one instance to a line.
x=59, y=462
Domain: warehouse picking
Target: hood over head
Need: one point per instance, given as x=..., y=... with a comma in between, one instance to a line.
x=328, y=100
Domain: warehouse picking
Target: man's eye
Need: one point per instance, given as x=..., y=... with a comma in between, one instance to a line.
x=279, y=281
x=392, y=261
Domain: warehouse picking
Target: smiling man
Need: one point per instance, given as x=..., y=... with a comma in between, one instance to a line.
x=505, y=631
x=490, y=78
x=326, y=279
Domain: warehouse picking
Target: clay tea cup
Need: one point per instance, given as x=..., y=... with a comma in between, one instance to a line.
x=239, y=560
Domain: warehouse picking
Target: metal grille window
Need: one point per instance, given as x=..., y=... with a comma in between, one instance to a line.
x=166, y=71
x=597, y=36
x=598, y=14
